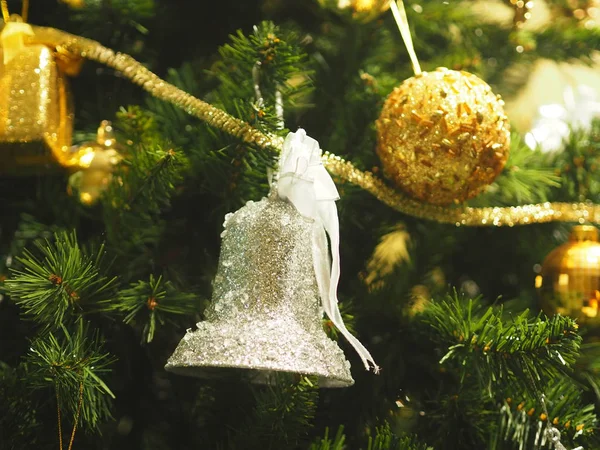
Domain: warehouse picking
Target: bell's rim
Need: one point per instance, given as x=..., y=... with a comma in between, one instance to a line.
x=260, y=374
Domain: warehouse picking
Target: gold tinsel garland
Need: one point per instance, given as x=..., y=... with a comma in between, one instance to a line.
x=467, y=216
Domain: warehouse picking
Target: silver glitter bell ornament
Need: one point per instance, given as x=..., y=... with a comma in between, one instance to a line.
x=274, y=281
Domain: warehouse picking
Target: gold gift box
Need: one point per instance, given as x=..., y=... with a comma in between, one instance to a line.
x=36, y=112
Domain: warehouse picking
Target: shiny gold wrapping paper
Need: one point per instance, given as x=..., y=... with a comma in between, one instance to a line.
x=36, y=113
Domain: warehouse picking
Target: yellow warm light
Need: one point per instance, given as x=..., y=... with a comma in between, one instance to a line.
x=563, y=279
x=363, y=5
x=538, y=281
x=592, y=309
x=86, y=198
x=87, y=159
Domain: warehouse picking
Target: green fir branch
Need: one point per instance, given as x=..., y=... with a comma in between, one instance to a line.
x=141, y=191
x=150, y=304
x=524, y=179
x=73, y=366
x=520, y=351
x=560, y=43
x=384, y=439
x=29, y=230
x=577, y=165
x=325, y=443
x=282, y=66
x=60, y=279
x=150, y=172
x=222, y=166
x=282, y=414
x=524, y=422
x=20, y=425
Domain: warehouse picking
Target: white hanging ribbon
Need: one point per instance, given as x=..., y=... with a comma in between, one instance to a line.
x=399, y=12
x=12, y=39
x=304, y=181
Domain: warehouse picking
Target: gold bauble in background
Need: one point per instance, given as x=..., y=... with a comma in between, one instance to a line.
x=360, y=10
x=443, y=136
x=75, y=4
x=97, y=161
x=569, y=283
x=36, y=114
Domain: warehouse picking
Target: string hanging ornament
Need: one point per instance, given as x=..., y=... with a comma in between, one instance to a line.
x=459, y=215
x=276, y=290
x=268, y=300
x=442, y=135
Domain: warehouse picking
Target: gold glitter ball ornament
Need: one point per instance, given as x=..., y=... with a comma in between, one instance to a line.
x=360, y=10
x=443, y=136
x=97, y=161
x=569, y=283
x=36, y=114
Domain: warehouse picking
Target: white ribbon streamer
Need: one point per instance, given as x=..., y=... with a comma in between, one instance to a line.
x=399, y=12
x=304, y=181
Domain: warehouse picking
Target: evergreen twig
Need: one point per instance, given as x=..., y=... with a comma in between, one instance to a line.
x=61, y=280
x=152, y=302
x=521, y=351
x=282, y=415
x=73, y=364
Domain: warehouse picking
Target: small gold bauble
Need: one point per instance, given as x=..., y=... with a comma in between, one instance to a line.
x=569, y=283
x=96, y=162
x=360, y=10
x=443, y=136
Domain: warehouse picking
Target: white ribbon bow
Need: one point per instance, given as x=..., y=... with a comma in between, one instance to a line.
x=304, y=181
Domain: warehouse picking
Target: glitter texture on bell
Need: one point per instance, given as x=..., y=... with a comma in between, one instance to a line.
x=265, y=313
x=274, y=280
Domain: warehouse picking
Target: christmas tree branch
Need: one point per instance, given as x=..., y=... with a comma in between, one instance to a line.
x=577, y=164
x=325, y=443
x=58, y=281
x=147, y=304
x=141, y=190
x=282, y=415
x=140, y=75
x=523, y=419
x=73, y=365
x=520, y=351
x=383, y=439
x=523, y=180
